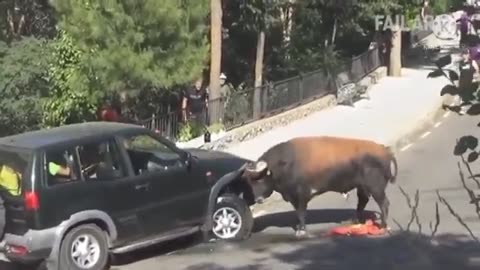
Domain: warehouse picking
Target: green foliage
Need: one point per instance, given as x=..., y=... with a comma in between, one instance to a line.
x=190, y=130
x=138, y=44
x=443, y=6
x=216, y=128
x=23, y=84
x=71, y=99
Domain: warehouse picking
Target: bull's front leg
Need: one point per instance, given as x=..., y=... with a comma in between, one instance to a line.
x=300, y=206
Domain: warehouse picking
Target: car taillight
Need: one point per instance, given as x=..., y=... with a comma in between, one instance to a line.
x=17, y=250
x=31, y=201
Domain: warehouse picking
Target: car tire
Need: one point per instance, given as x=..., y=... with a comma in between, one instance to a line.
x=237, y=208
x=77, y=235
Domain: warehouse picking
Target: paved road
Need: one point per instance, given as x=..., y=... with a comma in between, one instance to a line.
x=427, y=165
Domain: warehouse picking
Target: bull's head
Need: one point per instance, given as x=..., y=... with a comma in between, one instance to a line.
x=259, y=177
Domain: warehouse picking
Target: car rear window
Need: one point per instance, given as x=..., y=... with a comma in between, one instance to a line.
x=13, y=168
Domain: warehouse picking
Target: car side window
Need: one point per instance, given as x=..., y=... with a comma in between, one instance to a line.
x=147, y=154
x=101, y=161
x=61, y=167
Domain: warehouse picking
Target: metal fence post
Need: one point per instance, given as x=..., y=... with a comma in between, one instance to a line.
x=152, y=125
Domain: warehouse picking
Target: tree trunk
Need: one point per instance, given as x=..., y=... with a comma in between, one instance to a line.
x=287, y=21
x=334, y=32
x=257, y=103
x=395, y=64
x=215, y=60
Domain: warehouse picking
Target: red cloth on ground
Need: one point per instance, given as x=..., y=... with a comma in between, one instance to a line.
x=369, y=228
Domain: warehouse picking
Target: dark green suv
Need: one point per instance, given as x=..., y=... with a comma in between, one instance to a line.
x=75, y=194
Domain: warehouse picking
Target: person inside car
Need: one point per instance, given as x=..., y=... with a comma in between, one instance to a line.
x=10, y=180
x=59, y=167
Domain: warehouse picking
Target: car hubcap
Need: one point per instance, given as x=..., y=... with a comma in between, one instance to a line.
x=227, y=222
x=85, y=251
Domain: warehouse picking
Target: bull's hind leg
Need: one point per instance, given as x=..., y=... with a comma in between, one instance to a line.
x=384, y=204
x=362, y=203
x=376, y=184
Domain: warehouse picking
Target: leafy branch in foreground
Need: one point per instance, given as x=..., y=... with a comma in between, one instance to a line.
x=434, y=225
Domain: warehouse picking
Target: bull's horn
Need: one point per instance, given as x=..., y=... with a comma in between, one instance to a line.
x=259, y=166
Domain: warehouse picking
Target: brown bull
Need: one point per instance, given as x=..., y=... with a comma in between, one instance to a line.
x=302, y=168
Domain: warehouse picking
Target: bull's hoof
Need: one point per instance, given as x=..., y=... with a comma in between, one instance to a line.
x=301, y=234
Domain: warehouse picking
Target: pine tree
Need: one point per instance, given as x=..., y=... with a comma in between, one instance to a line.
x=134, y=44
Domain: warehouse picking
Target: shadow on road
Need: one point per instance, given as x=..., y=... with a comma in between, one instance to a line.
x=403, y=250
x=282, y=219
x=154, y=251
x=314, y=216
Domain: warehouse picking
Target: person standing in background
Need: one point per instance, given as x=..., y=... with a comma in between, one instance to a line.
x=225, y=89
x=464, y=23
x=225, y=95
x=468, y=71
x=425, y=13
x=195, y=103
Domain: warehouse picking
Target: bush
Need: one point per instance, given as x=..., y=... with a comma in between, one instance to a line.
x=190, y=130
x=23, y=84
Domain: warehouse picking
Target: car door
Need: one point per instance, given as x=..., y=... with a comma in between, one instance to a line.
x=111, y=188
x=179, y=198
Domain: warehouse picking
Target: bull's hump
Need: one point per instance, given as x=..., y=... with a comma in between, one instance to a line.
x=320, y=153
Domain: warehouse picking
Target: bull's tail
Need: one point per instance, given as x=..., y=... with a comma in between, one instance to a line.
x=392, y=166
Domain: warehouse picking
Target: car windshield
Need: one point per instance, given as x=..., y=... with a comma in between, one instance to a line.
x=13, y=167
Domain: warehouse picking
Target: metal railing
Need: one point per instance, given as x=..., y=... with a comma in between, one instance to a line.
x=242, y=107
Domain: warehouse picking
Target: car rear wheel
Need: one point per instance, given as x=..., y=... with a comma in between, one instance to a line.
x=84, y=248
x=232, y=218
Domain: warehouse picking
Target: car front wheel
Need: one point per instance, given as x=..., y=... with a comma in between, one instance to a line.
x=232, y=218
x=84, y=247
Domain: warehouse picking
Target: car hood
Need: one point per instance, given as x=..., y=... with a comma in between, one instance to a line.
x=219, y=162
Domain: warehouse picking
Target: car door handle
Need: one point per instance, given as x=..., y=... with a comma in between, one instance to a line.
x=142, y=186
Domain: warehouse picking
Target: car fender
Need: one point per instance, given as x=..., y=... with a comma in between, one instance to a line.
x=215, y=190
x=73, y=221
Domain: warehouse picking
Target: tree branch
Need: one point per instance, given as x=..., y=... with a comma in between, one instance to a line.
x=471, y=194
x=413, y=207
x=450, y=209
x=472, y=175
x=434, y=228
